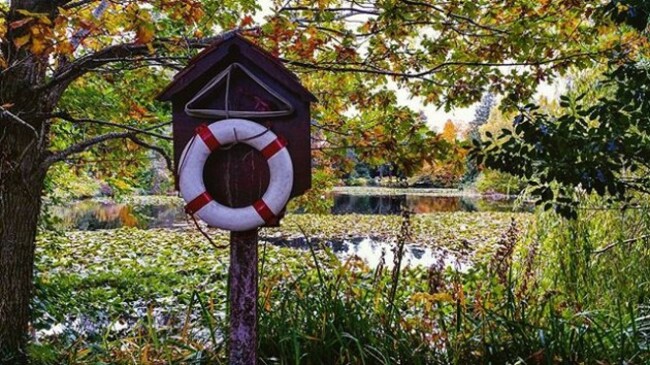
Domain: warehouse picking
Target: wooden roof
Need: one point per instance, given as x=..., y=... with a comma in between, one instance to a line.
x=203, y=62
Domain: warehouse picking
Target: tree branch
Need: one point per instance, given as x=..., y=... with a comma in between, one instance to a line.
x=454, y=16
x=67, y=4
x=162, y=152
x=342, y=67
x=69, y=118
x=351, y=10
x=624, y=242
x=82, y=146
x=17, y=119
x=70, y=71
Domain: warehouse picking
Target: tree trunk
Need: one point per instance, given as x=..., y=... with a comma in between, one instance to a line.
x=23, y=139
x=20, y=206
x=21, y=185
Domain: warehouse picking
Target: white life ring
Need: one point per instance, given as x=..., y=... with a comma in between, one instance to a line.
x=208, y=139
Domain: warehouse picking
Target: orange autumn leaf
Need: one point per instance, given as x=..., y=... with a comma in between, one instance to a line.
x=22, y=40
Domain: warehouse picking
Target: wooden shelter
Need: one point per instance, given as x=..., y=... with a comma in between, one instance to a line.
x=235, y=78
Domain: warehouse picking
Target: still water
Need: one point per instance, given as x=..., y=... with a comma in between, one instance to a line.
x=168, y=213
x=419, y=204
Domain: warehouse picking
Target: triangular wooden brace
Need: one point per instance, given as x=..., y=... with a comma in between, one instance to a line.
x=210, y=113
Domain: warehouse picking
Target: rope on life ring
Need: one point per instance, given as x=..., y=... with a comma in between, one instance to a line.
x=210, y=138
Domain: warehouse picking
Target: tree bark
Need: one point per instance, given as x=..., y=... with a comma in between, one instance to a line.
x=21, y=186
x=23, y=140
x=20, y=206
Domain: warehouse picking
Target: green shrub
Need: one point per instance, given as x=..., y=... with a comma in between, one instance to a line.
x=492, y=181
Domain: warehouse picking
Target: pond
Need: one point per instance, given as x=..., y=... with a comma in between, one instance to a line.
x=418, y=204
x=167, y=212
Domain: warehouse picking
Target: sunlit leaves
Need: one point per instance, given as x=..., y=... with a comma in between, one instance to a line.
x=34, y=31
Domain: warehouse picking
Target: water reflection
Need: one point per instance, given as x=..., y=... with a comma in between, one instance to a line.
x=419, y=204
x=168, y=213
x=90, y=215
x=375, y=251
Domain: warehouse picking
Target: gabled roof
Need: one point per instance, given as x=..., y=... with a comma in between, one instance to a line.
x=214, y=53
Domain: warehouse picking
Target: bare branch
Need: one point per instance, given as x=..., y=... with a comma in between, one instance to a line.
x=82, y=146
x=17, y=119
x=355, y=67
x=132, y=134
x=162, y=152
x=69, y=118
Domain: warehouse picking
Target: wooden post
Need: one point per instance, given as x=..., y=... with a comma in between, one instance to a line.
x=243, y=298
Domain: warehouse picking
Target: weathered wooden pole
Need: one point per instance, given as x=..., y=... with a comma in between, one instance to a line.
x=243, y=297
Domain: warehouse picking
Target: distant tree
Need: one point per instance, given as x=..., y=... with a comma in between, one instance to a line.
x=450, y=132
x=482, y=113
x=481, y=116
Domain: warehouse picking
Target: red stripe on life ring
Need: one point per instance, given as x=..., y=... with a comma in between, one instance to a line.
x=197, y=203
x=208, y=138
x=263, y=210
x=274, y=147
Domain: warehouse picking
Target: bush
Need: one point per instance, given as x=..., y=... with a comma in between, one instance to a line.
x=439, y=181
x=492, y=181
x=357, y=181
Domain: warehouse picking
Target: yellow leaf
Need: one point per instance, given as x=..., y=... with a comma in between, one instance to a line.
x=21, y=41
x=38, y=46
x=144, y=34
x=44, y=19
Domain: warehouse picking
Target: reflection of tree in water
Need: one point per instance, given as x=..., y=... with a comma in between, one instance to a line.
x=432, y=204
x=468, y=204
x=92, y=215
x=390, y=204
x=368, y=204
x=500, y=205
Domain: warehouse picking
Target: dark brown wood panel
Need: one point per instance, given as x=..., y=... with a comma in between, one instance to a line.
x=238, y=175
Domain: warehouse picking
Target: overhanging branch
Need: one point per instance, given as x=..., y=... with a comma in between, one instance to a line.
x=58, y=156
x=162, y=152
x=82, y=146
x=361, y=68
x=147, y=131
x=70, y=71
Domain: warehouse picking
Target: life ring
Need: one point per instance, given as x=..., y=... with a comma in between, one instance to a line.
x=208, y=139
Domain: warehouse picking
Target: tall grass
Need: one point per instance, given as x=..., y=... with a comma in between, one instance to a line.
x=339, y=313
x=548, y=294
